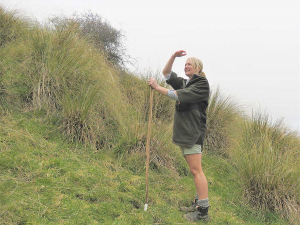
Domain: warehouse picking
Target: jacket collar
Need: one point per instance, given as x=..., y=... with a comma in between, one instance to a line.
x=194, y=79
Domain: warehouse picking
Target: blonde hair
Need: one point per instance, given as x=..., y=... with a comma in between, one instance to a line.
x=197, y=63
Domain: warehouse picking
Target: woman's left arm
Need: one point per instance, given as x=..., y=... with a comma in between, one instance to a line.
x=196, y=92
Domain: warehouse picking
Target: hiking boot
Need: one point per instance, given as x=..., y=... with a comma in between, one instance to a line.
x=199, y=214
x=191, y=208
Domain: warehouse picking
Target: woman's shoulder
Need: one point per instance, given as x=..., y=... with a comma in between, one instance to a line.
x=198, y=79
x=175, y=76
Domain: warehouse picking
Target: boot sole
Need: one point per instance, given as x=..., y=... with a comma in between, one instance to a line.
x=203, y=219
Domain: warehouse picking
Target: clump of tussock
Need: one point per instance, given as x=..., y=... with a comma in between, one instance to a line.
x=267, y=159
x=223, y=113
x=60, y=72
x=11, y=26
x=137, y=93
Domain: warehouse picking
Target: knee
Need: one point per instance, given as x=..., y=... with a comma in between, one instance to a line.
x=195, y=171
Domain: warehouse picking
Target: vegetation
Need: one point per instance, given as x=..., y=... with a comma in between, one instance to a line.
x=73, y=129
x=100, y=33
x=223, y=115
x=266, y=155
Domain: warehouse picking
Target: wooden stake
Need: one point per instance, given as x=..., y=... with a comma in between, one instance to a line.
x=148, y=148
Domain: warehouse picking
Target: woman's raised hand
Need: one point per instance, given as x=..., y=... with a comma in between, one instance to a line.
x=168, y=67
x=179, y=53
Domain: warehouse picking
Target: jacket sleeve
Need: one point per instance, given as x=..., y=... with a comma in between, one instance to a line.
x=196, y=92
x=175, y=81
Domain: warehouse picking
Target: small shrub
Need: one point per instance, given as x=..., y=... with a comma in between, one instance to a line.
x=104, y=37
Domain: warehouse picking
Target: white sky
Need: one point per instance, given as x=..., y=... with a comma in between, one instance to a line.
x=249, y=48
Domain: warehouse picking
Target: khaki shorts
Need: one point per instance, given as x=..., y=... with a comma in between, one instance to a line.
x=196, y=149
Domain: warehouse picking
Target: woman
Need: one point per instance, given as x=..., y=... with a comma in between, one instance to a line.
x=191, y=96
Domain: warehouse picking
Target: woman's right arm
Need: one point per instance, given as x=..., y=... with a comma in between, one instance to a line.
x=168, y=67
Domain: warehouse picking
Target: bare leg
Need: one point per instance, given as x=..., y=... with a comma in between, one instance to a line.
x=194, y=162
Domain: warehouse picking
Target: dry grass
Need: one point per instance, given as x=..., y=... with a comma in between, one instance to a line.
x=267, y=158
x=223, y=113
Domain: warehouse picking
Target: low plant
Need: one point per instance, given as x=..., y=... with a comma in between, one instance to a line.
x=267, y=159
x=223, y=113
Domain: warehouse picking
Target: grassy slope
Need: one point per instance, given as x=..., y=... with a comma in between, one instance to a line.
x=56, y=91
x=44, y=180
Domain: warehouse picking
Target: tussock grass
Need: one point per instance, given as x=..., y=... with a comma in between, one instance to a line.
x=12, y=27
x=58, y=71
x=61, y=73
x=138, y=94
x=223, y=113
x=267, y=159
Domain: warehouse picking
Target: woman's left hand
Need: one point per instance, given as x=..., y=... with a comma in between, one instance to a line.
x=153, y=83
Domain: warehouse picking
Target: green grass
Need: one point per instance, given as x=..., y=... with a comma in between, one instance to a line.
x=45, y=180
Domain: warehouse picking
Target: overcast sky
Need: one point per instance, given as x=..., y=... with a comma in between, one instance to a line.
x=249, y=48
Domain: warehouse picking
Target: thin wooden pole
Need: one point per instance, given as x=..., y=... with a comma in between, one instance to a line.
x=148, y=148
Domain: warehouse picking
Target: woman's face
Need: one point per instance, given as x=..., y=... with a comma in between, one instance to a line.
x=189, y=69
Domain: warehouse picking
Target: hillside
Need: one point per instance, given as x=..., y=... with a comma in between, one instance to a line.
x=73, y=135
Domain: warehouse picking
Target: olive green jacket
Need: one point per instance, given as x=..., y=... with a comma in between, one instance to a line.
x=190, y=115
